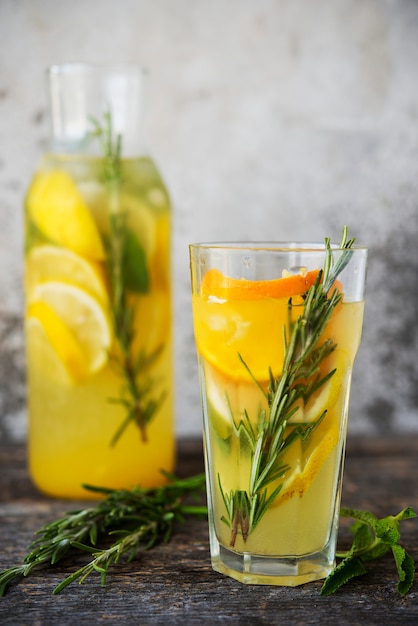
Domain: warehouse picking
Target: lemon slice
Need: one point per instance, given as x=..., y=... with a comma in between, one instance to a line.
x=218, y=405
x=141, y=221
x=47, y=262
x=223, y=395
x=51, y=347
x=327, y=395
x=299, y=479
x=152, y=321
x=83, y=315
x=59, y=211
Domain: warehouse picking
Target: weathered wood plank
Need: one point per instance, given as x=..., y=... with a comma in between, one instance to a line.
x=174, y=583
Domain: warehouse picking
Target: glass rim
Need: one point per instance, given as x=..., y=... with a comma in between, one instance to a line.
x=272, y=246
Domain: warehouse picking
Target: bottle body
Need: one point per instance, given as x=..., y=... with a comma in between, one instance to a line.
x=98, y=324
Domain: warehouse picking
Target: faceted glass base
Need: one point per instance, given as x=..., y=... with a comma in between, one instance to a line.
x=281, y=571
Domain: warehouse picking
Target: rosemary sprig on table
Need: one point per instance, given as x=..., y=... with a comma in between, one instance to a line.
x=299, y=379
x=139, y=519
x=135, y=396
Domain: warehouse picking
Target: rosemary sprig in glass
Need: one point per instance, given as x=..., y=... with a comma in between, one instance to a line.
x=135, y=396
x=300, y=378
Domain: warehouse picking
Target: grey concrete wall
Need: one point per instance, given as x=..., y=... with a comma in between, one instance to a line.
x=278, y=119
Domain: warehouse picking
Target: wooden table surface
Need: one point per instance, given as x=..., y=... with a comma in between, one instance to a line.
x=174, y=583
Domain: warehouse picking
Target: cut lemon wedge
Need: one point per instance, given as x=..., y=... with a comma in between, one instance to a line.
x=299, y=477
x=45, y=263
x=59, y=211
x=84, y=316
x=328, y=394
x=51, y=346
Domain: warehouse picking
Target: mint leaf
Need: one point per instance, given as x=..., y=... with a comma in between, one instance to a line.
x=362, y=516
x=373, y=537
x=407, y=513
x=387, y=529
x=135, y=271
x=349, y=568
x=363, y=537
x=406, y=569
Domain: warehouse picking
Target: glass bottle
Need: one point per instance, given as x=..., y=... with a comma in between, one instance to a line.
x=98, y=322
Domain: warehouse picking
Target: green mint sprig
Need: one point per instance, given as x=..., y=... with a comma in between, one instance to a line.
x=373, y=538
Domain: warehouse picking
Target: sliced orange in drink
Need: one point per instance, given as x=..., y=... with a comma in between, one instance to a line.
x=216, y=284
x=242, y=319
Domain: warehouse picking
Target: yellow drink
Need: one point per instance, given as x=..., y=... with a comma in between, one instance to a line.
x=274, y=475
x=98, y=326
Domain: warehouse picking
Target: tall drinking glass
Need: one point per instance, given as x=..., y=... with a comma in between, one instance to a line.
x=277, y=328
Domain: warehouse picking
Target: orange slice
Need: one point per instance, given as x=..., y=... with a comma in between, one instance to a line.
x=217, y=284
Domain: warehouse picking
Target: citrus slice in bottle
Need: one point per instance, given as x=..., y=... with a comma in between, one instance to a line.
x=84, y=316
x=59, y=211
x=152, y=320
x=139, y=216
x=52, y=348
x=141, y=222
x=47, y=262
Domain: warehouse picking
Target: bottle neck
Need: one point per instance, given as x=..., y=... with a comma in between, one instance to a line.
x=85, y=97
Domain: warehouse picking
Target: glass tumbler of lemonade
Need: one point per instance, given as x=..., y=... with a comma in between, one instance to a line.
x=277, y=328
x=97, y=291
